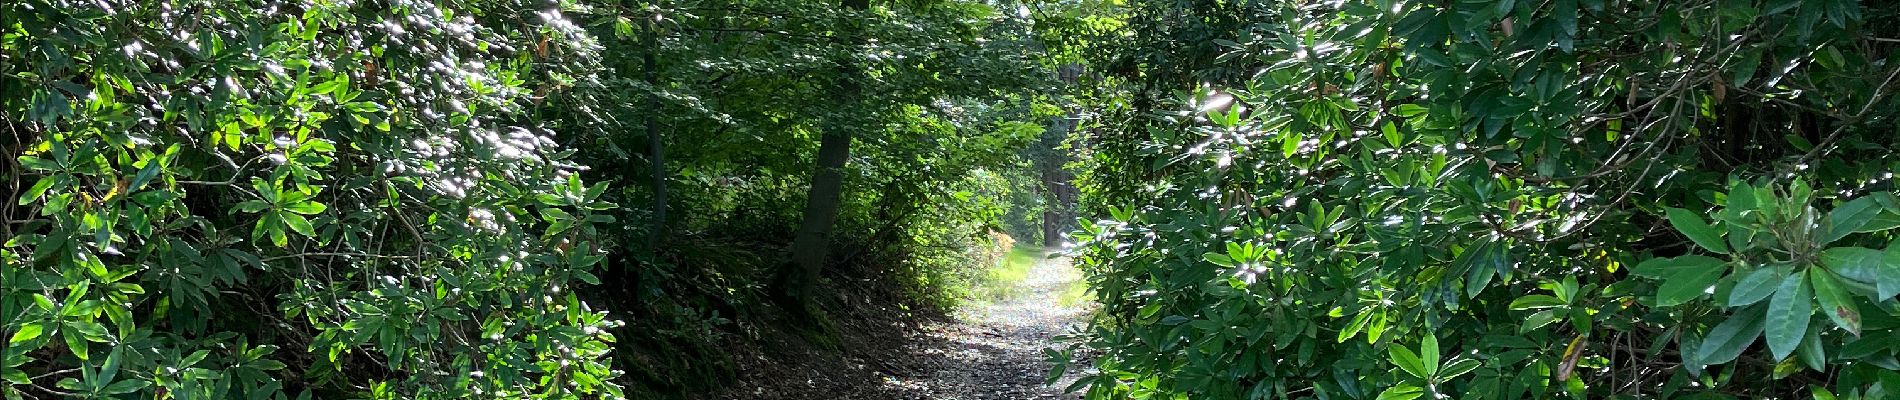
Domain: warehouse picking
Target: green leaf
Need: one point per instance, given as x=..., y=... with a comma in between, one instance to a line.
x=1401, y=392
x=1428, y=354
x=250, y=206
x=1788, y=315
x=306, y=208
x=1743, y=70
x=27, y=332
x=43, y=302
x=126, y=386
x=1407, y=360
x=111, y=367
x=1535, y=301
x=1835, y=302
x=1855, y=263
x=1479, y=274
x=1683, y=278
x=1538, y=320
x=1821, y=393
x=1692, y=225
x=1457, y=368
x=88, y=328
x=1219, y=259
x=39, y=189
x=1755, y=286
x=1409, y=110
x=1728, y=339
x=298, y=223
x=1376, y=328
x=267, y=365
x=36, y=163
x=1811, y=352
x=1887, y=279
x=1880, y=222
x=16, y=376
x=1358, y=324
x=1848, y=218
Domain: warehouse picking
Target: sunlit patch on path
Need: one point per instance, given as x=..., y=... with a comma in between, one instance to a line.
x=993, y=350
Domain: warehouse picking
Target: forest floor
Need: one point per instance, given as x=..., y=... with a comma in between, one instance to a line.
x=991, y=349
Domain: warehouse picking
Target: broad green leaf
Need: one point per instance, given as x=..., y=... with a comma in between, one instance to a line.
x=1683, y=278
x=1376, y=327
x=1457, y=368
x=1811, y=351
x=250, y=206
x=1407, y=360
x=1755, y=286
x=1821, y=393
x=43, y=302
x=39, y=188
x=1409, y=110
x=267, y=365
x=16, y=376
x=111, y=367
x=298, y=223
x=1537, y=320
x=1692, y=225
x=1788, y=314
x=1856, y=263
x=1881, y=221
x=1358, y=324
x=1219, y=259
x=1401, y=392
x=1744, y=68
x=1733, y=335
x=27, y=332
x=306, y=208
x=1847, y=219
x=1535, y=301
x=126, y=386
x=1478, y=276
x=1887, y=280
x=1428, y=354
x=1835, y=301
x=36, y=163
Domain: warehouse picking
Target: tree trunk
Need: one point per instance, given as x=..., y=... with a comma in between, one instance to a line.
x=656, y=150
x=812, y=244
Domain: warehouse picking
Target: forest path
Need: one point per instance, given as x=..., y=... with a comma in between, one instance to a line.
x=993, y=349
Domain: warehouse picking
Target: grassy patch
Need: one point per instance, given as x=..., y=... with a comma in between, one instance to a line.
x=1005, y=280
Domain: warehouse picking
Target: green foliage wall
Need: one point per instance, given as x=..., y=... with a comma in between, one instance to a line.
x=262, y=199
x=1494, y=200
x=746, y=88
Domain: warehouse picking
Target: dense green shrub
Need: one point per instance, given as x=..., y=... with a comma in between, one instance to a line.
x=249, y=199
x=1496, y=200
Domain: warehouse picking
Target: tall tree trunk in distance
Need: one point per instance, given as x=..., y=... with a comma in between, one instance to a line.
x=656, y=150
x=1059, y=213
x=812, y=244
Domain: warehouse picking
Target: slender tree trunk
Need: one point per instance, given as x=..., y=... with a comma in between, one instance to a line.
x=812, y=245
x=656, y=149
x=1052, y=209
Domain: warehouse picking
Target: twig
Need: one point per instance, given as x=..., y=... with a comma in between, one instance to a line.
x=326, y=254
x=1851, y=120
x=63, y=371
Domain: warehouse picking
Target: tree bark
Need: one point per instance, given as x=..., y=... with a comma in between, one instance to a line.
x=656, y=149
x=812, y=244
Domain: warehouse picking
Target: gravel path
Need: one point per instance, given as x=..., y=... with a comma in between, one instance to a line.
x=994, y=351
x=990, y=351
